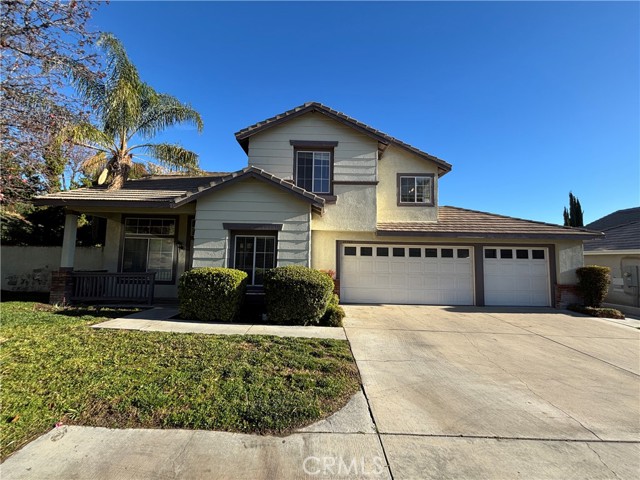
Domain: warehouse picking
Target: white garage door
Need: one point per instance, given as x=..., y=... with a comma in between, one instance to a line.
x=516, y=276
x=434, y=275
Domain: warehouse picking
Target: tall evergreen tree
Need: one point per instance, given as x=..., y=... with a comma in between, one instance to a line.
x=573, y=215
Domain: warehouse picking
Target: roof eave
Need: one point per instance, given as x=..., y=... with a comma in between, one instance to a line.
x=480, y=235
x=58, y=202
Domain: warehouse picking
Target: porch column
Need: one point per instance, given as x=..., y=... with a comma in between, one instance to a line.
x=69, y=242
x=61, y=281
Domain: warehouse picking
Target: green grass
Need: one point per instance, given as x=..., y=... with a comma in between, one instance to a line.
x=55, y=368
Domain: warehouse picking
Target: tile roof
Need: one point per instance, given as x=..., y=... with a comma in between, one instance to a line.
x=156, y=190
x=461, y=222
x=621, y=237
x=168, y=191
x=243, y=135
x=615, y=219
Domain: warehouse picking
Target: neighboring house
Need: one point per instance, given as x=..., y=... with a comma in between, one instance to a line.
x=620, y=251
x=327, y=191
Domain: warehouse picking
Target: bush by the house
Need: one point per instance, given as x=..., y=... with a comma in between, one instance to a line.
x=211, y=294
x=593, y=284
x=597, y=312
x=296, y=295
x=334, y=314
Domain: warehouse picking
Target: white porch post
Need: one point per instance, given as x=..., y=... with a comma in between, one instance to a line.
x=69, y=242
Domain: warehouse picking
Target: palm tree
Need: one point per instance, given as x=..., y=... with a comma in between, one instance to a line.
x=127, y=109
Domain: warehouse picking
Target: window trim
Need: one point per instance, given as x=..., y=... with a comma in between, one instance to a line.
x=175, y=237
x=314, y=147
x=431, y=177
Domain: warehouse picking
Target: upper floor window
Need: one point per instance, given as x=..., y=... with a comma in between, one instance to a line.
x=313, y=170
x=415, y=190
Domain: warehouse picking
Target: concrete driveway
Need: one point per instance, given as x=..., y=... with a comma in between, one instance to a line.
x=459, y=392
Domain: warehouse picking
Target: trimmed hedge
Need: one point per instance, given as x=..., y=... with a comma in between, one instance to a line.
x=593, y=284
x=211, y=294
x=334, y=314
x=296, y=295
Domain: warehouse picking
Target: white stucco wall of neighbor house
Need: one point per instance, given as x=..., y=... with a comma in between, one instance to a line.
x=251, y=201
x=620, y=263
x=394, y=161
x=28, y=269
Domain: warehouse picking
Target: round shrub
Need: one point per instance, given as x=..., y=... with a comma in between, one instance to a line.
x=334, y=314
x=296, y=295
x=593, y=284
x=211, y=294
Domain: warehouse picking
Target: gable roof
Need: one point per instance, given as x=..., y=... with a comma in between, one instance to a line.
x=615, y=219
x=383, y=139
x=464, y=223
x=169, y=191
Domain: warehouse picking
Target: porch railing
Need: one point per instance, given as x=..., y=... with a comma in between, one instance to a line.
x=113, y=287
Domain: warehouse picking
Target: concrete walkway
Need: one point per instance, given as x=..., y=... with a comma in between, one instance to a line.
x=159, y=319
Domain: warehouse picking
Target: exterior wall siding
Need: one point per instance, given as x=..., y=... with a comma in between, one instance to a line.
x=251, y=201
x=355, y=156
x=394, y=161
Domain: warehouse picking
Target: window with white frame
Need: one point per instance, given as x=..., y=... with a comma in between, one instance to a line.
x=415, y=190
x=313, y=170
x=255, y=254
x=149, y=246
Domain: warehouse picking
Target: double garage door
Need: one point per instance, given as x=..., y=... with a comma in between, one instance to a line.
x=442, y=275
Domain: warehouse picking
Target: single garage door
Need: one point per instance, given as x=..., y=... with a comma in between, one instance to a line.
x=433, y=275
x=516, y=276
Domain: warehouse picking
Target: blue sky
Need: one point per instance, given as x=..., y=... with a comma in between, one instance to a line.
x=527, y=100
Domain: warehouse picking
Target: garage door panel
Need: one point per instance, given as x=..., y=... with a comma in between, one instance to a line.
x=398, y=267
x=382, y=267
x=430, y=267
x=517, y=281
x=418, y=280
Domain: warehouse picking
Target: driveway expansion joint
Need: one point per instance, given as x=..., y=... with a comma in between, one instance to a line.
x=500, y=437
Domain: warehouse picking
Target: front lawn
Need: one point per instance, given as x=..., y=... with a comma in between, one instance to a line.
x=55, y=368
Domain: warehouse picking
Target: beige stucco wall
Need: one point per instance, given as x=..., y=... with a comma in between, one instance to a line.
x=251, y=201
x=355, y=156
x=569, y=257
x=396, y=160
x=616, y=293
x=354, y=210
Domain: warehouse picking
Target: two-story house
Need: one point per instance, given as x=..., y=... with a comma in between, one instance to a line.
x=324, y=190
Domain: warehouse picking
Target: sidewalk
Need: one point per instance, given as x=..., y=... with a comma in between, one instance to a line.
x=345, y=445
x=160, y=319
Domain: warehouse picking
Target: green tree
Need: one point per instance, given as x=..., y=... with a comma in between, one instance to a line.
x=573, y=215
x=127, y=109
